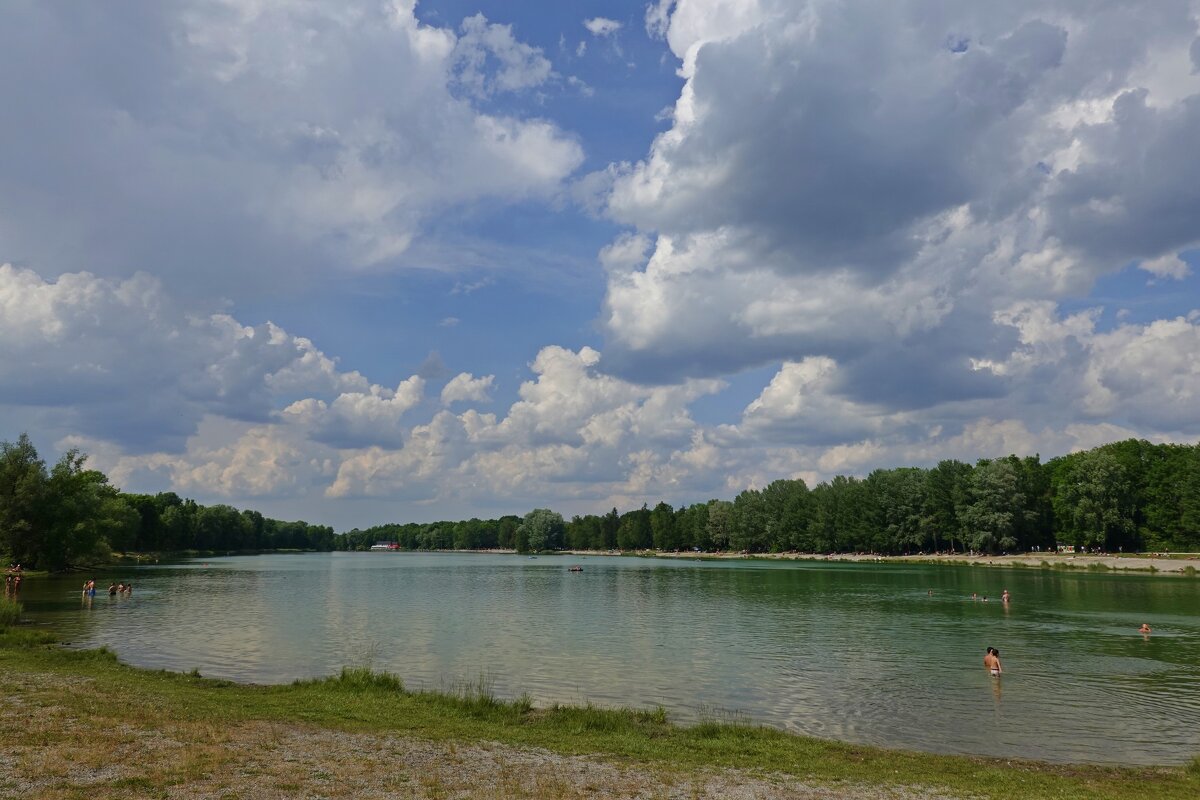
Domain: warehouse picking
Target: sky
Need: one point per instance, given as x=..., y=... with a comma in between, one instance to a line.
x=366, y=261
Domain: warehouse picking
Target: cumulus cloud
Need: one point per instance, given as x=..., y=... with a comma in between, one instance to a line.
x=1168, y=266
x=172, y=397
x=465, y=387
x=197, y=138
x=802, y=403
x=893, y=215
x=359, y=419
x=125, y=358
x=873, y=189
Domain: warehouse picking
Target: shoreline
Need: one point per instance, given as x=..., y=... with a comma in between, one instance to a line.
x=1174, y=564
x=203, y=737
x=1178, y=564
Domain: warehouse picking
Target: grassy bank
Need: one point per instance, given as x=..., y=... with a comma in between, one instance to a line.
x=55, y=695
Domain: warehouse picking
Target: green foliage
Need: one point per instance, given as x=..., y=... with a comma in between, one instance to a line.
x=361, y=678
x=69, y=515
x=10, y=612
x=542, y=529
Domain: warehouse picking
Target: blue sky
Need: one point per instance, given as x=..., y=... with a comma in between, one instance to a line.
x=358, y=262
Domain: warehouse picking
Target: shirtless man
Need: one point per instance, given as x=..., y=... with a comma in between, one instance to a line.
x=1005, y=596
x=991, y=661
x=1144, y=629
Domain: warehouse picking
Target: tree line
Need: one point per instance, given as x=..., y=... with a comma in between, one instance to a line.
x=54, y=517
x=1131, y=496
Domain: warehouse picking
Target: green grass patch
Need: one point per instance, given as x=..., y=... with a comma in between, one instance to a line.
x=10, y=612
x=361, y=700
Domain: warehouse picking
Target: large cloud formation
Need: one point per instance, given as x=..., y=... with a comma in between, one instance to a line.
x=200, y=138
x=835, y=179
x=896, y=216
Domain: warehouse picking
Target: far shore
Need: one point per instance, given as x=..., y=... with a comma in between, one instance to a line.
x=1174, y=563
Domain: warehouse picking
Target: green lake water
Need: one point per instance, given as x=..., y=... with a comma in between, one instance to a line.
x=856, y=652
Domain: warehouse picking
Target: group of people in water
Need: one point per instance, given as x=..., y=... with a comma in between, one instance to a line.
x=991, y=659
x=114, y=589
x=12, y=580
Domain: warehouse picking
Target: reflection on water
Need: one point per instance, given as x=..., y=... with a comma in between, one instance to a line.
x=860, y=652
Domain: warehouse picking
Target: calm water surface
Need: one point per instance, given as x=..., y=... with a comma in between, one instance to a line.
x=858, y=652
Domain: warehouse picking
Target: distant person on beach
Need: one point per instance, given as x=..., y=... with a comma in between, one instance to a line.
x=991, y=661
x=1144, y=629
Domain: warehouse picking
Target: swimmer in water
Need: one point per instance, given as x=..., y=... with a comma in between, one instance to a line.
x=1144, y=629
x=991, y=662
x=1005, y=597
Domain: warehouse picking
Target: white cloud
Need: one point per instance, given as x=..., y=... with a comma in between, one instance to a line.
x=520, y=65
x=465, y=387
x=1168, y=266
x=201, y=393
x=358, y=419
x=602, y=26
x=123, y=357
x=802, y=404
x=845, y=186
x=295, y=137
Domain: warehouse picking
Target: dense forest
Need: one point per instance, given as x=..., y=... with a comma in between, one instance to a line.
x=1130, y=495
x=51, y=518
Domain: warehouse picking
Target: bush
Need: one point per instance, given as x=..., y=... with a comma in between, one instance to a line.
x=10, y=612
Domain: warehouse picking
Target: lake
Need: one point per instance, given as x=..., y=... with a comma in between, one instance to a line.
x=850, y=651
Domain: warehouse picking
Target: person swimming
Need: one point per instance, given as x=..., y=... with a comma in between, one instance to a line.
x=991, y=661
x=1144, y=629
x=1005, y=597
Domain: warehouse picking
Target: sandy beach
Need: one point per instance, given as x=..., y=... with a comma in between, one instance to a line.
x=1174, y=564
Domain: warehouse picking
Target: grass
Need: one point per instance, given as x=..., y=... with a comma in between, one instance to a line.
x=10, y=612
x=94, y=687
